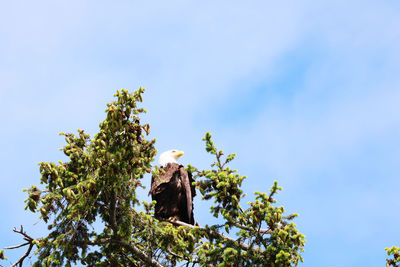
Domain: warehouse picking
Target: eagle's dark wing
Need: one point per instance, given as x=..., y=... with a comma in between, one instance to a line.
x=187, y=185
x=165, y=176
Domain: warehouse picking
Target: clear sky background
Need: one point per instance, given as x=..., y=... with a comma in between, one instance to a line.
x=305, y=92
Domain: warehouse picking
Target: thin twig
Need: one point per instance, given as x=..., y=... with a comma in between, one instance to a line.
x=29, y=242
x=220, y=166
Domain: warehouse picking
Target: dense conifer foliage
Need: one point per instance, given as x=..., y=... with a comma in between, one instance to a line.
x=98, y=183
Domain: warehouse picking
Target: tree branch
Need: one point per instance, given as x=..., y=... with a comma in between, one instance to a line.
x=220, y=166
x=113, y=220
x=17, y=246
x=216, y=234
x=30, y=243
x=130, y=247
x=259, y=230
x=140, y=254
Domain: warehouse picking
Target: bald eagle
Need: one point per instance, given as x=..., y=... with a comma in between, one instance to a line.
x=172, y=189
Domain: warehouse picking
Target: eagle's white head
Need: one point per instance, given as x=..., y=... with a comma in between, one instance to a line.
x=170, y=156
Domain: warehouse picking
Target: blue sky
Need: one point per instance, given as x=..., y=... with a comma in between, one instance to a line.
x=305, y=92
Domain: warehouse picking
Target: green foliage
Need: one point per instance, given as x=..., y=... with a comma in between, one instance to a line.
x=99, y=182
x=279, y=244
x=395, y=252
x=2, y=257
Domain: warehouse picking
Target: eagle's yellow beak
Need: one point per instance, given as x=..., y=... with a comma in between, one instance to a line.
x=179, y=153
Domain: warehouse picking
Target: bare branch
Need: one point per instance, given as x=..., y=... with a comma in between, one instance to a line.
x=30, y=243
x=21, y=260
x=22, y=233
x=17, y=246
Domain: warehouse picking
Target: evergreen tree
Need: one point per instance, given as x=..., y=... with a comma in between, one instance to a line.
x=99, y=182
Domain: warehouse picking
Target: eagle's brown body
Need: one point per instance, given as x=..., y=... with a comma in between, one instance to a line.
x=174, y=193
